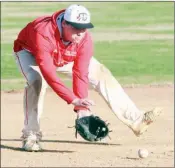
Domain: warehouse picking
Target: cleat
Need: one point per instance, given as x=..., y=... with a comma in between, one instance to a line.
x=148, y=118
x=31, y=146
x=31, y=143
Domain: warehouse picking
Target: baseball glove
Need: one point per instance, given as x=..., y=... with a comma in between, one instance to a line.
x=91, y=128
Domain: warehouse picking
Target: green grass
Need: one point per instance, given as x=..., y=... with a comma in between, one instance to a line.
x=123, y=58
x=9, y=68
x=8, y=85
x=132, y=61
x=137, y=58
x=168, y=31
x=18, y=84
x=117, y=14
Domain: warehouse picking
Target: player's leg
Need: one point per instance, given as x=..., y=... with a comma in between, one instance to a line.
x=123, y=107
x=105, y=83
x=33, y=99
x=102, y=81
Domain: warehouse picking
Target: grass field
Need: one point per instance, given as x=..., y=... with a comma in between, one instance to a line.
x=135, y=40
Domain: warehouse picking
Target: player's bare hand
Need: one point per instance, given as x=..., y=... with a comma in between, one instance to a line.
x=82, y=102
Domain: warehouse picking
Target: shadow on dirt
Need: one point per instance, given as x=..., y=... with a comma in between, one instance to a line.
x=43, y=150
x=132, y=158
x=73, y=142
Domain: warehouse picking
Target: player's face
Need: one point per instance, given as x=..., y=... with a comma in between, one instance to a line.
x=72, y=34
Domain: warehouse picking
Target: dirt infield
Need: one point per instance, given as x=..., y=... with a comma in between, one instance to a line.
x=61, y=148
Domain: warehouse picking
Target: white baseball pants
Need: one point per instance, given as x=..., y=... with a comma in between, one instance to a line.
x=100, y=78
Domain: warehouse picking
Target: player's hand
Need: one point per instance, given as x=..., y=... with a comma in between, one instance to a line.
x=82, y=102
x=83, y=113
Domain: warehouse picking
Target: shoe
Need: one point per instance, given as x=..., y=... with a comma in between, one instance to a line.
x=149, y=117
x=31, y=146
x=31, y=143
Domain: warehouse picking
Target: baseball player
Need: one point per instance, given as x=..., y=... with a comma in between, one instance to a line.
x=61, y=43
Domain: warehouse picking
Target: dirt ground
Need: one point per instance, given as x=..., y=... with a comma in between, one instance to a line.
x=62, y=149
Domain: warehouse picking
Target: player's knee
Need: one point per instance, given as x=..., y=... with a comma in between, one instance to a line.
x=34, y=78
x=101, y=74
x=37, y=84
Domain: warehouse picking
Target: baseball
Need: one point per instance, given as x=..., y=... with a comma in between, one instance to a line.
x=143, y=153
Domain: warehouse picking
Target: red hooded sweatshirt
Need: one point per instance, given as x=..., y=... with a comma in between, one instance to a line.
x=43, y=39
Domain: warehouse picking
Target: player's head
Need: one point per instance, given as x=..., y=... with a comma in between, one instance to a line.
x=76, y=21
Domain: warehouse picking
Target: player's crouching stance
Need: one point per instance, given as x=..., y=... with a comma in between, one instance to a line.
x=62, y=43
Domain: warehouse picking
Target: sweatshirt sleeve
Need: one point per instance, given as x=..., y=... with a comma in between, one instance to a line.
x=48, y=70
x=81, y=69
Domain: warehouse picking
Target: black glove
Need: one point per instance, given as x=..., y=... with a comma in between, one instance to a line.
x=91, y=128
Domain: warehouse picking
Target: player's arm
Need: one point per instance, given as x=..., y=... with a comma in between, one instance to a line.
x=48, y=69
x=81, y=70
x=44, y=60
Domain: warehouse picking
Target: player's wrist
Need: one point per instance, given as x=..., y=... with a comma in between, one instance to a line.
x=80, y=108
x=83, y=113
